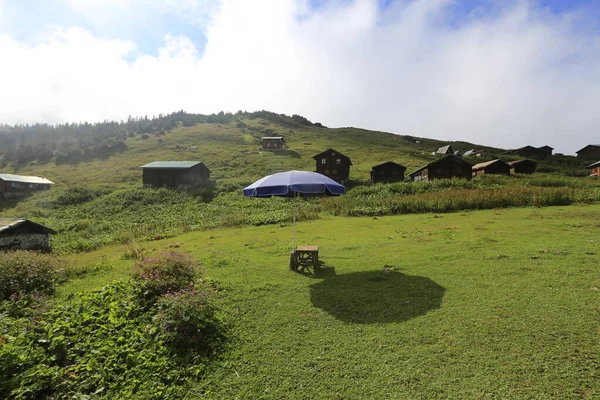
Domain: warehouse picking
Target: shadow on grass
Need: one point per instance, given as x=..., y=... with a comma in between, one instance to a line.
x=376, y=296
x=323, y=271
x=288, y=153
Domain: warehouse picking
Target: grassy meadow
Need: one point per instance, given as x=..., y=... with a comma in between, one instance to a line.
x=448, y=289
x=479, y=304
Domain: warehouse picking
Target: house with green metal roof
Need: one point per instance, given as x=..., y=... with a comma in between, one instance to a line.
x=175, y=174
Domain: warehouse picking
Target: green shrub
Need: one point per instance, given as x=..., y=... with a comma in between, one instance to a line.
x=166, y=272
x=100, y=344
x=26, y=272
x=188, y=319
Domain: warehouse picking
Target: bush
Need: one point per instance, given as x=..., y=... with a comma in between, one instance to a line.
x=166, y=272
x=188, y=319
x=100, y=344
x=26, y=272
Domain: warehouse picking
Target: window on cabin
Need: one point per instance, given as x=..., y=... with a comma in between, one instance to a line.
x=31, y=186
x=338, y=161
x=323, y=160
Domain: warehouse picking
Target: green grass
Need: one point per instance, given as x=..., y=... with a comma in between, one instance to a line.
x=482, y=304
x=87, y=219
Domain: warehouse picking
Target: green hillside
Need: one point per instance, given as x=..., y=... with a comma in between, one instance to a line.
x=233, y=151
x=110, y=153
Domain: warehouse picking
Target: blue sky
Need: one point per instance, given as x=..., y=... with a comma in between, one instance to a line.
x=146, y=25
x=499, y=72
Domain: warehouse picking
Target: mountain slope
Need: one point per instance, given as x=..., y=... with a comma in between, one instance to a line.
x=232, y=151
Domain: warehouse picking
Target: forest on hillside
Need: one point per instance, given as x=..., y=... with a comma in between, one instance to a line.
x=84, y=141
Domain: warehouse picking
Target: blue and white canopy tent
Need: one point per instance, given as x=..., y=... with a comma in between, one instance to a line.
x=293, y=184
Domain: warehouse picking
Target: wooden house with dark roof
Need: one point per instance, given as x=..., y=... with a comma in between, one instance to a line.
x=491, y=167
x=21, y=185
x=522, y=167
x=591, y=151
x=529, y=151
x=334, y=165
x=445, y=150
x=547, y=149
x=595, y=169
x=175, y=174
x=23, y=234
x=387, y=172
x=444, y=168
x=272, y=142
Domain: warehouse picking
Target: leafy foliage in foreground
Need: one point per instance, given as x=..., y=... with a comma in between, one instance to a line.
x=112, y=343
x=27, y=271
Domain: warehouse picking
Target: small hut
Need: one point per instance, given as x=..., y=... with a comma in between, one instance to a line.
x=23, y=234
x=387, y=172
x=444, y=168
x=595, y=169
x=591, y=151
x=530, y=151
x=272, y=142
x=21, y=185
x=522, y=167
x=175, y=174
x=491, y=167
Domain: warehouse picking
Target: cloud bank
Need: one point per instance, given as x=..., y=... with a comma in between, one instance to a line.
x=506, y=75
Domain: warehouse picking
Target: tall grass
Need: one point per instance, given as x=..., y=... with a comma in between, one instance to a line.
x=88, y=218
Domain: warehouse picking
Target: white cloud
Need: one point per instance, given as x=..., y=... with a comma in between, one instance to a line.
x=518, y=76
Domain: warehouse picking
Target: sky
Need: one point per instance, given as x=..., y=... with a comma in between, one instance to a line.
x=504, y=73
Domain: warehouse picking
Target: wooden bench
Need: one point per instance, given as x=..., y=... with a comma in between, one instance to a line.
x=304, y=257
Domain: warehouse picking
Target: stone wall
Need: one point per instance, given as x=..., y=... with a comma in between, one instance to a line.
x=35, y=241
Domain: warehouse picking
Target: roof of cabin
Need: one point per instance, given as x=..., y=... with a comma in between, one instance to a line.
x=172, y=164
x=443, y=150
x=440, y=160
x=597, y=163
x=7, y=224
x=485, y=164
x=589, y=145
x=330, y=150
x=520, y=161
x=388, y=163
x=272, y=138
x=25, y=179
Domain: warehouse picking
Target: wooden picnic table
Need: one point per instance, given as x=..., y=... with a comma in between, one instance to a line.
x=305, y=257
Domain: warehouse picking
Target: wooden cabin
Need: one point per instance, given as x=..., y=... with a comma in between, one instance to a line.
x=591, y=151
x=445, y=150
x=334, y=165
x=529, y=151
x=547, y=149
x=20, y=185
x=387, y=172
x=491, y=167
x=272, y=143
x=444, y=168
x=522, y=167
x=595, y=169
x=175, y=174
x=23, y=234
